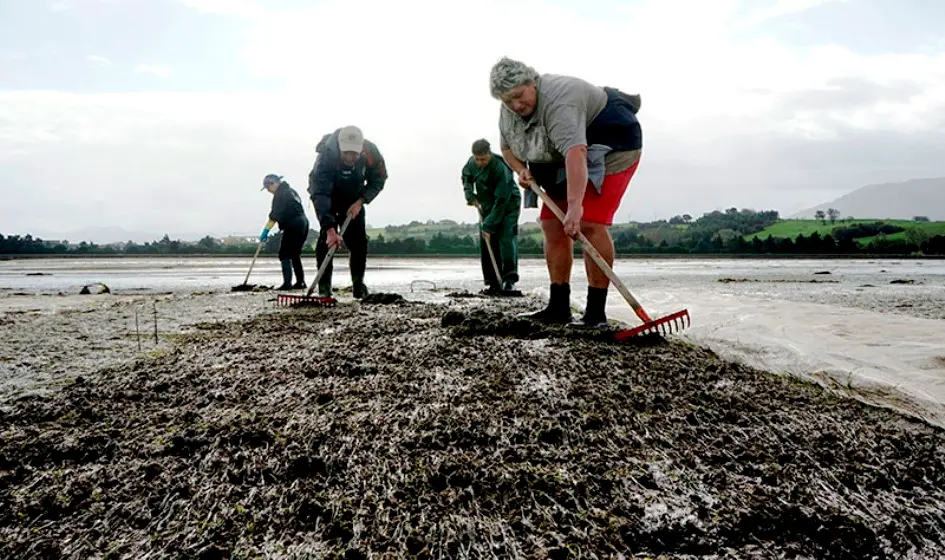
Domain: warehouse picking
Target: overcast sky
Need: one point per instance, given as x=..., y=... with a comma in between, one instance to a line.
x=164, y=115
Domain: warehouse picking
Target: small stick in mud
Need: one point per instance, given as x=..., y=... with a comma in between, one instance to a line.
x=137, y=330
x=154, y=304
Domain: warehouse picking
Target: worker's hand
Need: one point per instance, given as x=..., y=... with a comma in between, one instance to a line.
x=487, y=236
x=572, y=219
x=524, y=177
x=355, y=208
x=334, y=240
x=472, y=202
x=264, y=234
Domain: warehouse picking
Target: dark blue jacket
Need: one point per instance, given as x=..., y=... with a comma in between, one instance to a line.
x=334, y=187
x=287, y=209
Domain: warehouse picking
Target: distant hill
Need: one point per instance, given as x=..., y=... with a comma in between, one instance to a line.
x=902, y=201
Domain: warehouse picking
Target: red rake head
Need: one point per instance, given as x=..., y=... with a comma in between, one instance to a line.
x=284, y=300
x=662, y=326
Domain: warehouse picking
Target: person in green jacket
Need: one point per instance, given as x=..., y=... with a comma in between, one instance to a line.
x=489, y=185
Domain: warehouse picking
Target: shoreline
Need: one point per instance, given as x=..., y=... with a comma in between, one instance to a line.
x=522, y=256
x=445, y=426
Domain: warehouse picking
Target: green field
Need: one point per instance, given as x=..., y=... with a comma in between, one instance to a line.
x=792, y=228
x=788, y=229
x=427, y=231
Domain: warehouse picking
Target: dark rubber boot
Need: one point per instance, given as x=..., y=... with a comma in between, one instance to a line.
x=491, y=290
x=558, y=311
x=299, y=274
x=324, y=290
x=595, y=314
x=286, y=275
x=358, y=289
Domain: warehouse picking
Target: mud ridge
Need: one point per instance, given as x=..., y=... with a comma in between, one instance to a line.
x=456, y=431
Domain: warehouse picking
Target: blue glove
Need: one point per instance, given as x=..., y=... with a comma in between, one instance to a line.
x=264, y=234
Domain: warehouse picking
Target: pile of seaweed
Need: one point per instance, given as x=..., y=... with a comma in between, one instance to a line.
x=436, y=431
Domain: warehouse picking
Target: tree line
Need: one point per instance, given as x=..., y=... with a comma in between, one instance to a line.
x=733, y=231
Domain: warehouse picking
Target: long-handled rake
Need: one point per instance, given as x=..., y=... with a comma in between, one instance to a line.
x=245, y=287
x=673, y=322
x=287, y=300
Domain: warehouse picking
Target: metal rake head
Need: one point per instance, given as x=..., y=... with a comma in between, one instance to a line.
x=669, y=324
x=286, y=300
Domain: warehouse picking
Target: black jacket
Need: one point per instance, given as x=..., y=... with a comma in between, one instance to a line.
x=333, y=187
x=287, y=209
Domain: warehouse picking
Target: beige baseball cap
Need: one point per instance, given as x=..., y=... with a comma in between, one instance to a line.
x=350, y=139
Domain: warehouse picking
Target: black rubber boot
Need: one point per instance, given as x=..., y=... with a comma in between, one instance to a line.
x=595, y=314
x=491, y=290
x=558, y=310
x=358, y=289
x=286, y=275
x=299, y=274
x=324, y=290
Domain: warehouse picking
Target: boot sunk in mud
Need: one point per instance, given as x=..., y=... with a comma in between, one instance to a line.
x=558, y=310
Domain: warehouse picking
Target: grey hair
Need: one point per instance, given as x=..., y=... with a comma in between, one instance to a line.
x=508, y=74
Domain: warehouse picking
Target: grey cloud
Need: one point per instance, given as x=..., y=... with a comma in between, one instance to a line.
x=866, y=27
x=204, y=178
x=847, y=93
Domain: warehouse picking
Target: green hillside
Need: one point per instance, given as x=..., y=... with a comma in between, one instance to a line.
x=427, y=230
x=790, y=229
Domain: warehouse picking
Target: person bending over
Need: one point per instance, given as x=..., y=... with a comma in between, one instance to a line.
x=288, y=212
x=489, y=186
x=349, y=172
x=582, y=144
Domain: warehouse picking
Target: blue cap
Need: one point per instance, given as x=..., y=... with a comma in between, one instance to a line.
x=271, y=177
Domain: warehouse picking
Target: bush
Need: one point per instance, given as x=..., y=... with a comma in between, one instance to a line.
x=858, y=231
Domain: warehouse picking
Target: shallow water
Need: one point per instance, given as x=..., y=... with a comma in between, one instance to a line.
x=853, y=327
x=395, y=274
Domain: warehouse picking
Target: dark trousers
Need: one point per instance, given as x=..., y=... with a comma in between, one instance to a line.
x=505, y=248
x=355, y=238
x=290, y=247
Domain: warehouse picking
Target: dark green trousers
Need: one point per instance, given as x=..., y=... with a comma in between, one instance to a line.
x=505, y=247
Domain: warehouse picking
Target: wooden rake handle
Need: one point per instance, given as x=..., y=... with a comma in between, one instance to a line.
x=595, y=255
x=248, y=272
x=328, y=257
x=482, y=237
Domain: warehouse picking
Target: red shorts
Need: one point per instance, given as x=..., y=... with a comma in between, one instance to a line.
x=599, y=208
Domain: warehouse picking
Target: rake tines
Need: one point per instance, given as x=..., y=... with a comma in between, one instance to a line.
x=285, y=300
x=663, y=326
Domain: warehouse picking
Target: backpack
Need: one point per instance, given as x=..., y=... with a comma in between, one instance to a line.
x=633, y=99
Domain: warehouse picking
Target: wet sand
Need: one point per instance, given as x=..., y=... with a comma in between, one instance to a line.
x=51, y=338
x=445, y=428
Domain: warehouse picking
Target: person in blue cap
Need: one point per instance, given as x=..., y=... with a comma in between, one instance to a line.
x=288, y=212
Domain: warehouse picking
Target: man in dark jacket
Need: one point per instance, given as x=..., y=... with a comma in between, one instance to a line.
x=349, y=172
x=288, y=212
x=489, y=185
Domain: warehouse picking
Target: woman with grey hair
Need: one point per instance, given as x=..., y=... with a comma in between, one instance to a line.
x=582, y=144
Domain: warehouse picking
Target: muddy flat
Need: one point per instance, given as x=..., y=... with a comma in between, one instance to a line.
x=453, y=430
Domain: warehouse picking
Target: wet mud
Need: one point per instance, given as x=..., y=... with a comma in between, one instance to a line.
x=778, y=281
x=51, y=339
x=382, y=298
x=456, y=431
